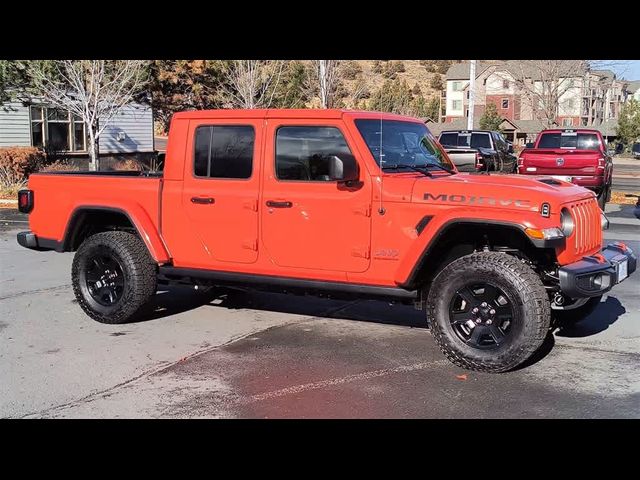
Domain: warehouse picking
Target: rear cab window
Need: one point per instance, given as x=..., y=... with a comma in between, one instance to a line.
x=569, y=140
x=480, y=140
x=449, y=140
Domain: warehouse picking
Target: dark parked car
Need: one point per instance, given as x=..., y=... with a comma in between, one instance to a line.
x=479, y=150
x=635, y=150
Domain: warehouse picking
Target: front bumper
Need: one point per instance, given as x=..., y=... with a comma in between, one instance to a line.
x=597, y=274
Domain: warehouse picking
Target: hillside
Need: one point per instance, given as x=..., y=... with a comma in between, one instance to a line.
x=416, y=72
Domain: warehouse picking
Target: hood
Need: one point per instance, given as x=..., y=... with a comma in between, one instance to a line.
x=510, y=192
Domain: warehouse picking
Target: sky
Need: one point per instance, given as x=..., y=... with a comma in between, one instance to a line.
x=627, y=69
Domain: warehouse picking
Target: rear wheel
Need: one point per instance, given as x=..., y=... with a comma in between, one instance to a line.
x=113, y=276
x=488, y=311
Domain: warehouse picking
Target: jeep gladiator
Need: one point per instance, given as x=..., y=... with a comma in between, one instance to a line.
x=334, y=203
x=575, y=155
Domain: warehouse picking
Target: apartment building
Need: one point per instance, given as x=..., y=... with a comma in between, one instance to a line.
x=586, y=98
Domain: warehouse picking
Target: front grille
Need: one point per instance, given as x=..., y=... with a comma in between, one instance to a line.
x=588, y=230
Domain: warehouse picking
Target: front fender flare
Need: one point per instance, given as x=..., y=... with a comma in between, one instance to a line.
x=413, y=261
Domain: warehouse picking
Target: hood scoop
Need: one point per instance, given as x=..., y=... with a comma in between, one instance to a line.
x=550, y=181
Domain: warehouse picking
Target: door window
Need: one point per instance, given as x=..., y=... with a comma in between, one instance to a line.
x=224, y=151
x=304, y=153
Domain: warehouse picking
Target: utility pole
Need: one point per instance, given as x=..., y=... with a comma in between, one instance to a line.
x=472, y=93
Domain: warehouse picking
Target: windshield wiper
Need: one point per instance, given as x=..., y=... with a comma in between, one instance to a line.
x=440, y=167
x=396, y=166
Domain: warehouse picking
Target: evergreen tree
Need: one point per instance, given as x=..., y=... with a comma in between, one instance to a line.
x=490, y=119
x=628, y=129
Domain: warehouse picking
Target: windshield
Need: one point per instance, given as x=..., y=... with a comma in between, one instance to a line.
x=571, y=140
x=402, y=143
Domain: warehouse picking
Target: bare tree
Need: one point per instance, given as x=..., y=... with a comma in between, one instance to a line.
x=544, y=82
x=94, y=90
x=328, y=78
x=252, y=83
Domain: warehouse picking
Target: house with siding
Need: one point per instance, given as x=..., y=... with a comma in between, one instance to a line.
x=128, y=134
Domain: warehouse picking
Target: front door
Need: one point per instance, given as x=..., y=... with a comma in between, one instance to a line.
x=220, y=191
x=309, y=221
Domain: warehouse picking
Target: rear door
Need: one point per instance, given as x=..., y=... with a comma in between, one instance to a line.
x=220, y=191
x=308, y=221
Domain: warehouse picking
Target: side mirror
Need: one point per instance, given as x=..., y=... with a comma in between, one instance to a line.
x=343, y=170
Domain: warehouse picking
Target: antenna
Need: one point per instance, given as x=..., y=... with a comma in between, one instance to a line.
x=381, y=209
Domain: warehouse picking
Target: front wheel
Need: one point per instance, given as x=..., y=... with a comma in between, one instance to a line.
x=488, y=312
x=113, y=276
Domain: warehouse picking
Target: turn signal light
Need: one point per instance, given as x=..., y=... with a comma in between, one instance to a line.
x=545, y=233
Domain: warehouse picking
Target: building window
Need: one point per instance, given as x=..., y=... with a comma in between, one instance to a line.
x=505, y=83
x=456, y=104
x=505, y=103
x=468, y=94
x=567, y=122
x=467, y=113
x=224, y=151
x=570, y=103
x=57, y=129
x=456, y=86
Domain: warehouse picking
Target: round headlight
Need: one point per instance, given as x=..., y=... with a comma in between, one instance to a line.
x=566, y=222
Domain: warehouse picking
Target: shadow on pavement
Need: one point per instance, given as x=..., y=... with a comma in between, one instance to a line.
x=543, y=351
x=177, y=299
x=607, y=313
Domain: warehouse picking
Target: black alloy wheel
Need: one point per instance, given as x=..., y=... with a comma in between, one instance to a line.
x=482, y=315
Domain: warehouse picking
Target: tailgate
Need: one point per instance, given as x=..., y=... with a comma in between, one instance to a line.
x=560, y=162
x=463, y=158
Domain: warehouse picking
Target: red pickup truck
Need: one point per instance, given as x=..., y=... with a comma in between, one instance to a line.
x=576, y=155
x=334, y=203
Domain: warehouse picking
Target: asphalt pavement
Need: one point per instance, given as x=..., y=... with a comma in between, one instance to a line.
x=234, y=353
x=626, y=175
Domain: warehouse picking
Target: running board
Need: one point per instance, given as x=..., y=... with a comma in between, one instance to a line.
x=285, y=284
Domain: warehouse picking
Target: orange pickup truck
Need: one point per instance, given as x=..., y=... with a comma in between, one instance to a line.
x=339, y=203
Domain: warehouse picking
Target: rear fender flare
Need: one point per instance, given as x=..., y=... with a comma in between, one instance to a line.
x=139, y=219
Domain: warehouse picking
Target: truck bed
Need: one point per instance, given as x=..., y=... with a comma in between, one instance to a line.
x=59, y=194
x=463, y=158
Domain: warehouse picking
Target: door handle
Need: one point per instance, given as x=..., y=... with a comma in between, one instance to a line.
x=274, y=204
x=203, y=200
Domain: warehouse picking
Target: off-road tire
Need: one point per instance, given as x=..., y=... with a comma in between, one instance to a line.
x=138, y=268
x=519, y=282
x=571, y=317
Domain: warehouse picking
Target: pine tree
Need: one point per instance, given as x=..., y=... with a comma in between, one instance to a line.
x=490, y=119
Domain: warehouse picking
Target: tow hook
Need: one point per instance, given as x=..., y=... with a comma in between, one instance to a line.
x=559, y=299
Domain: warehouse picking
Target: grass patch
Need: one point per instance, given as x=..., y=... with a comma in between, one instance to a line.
x=624, y=198
x=10, y=191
